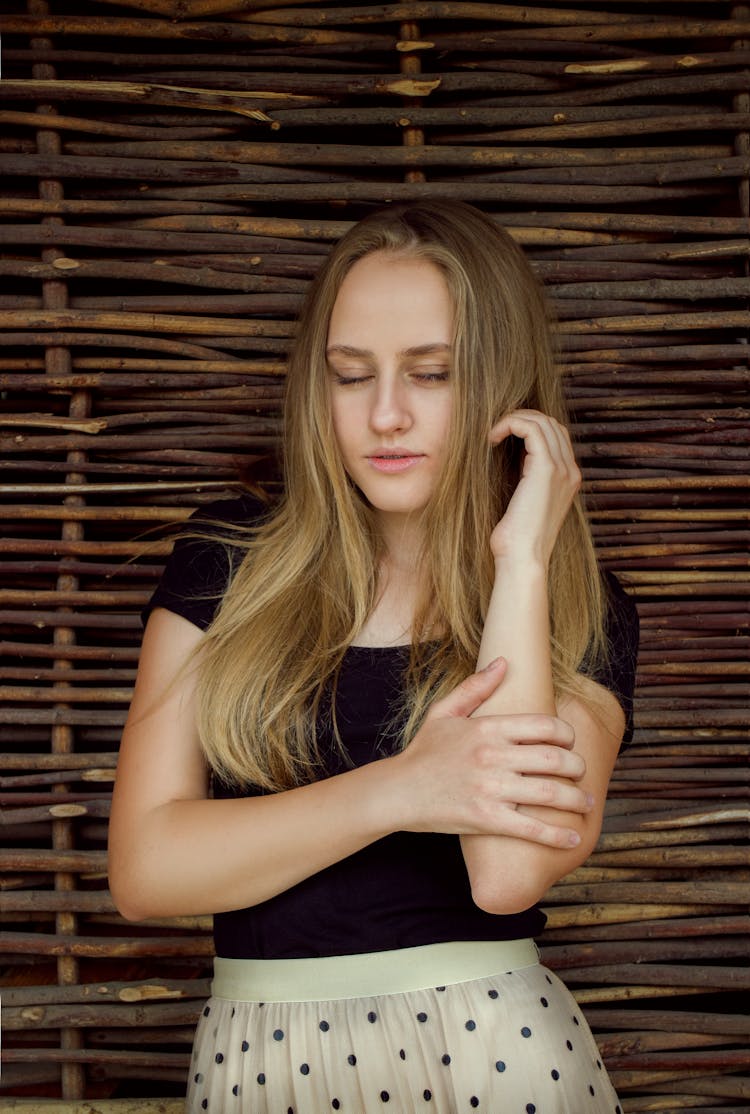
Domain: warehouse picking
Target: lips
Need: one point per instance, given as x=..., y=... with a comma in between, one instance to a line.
x=394, y=461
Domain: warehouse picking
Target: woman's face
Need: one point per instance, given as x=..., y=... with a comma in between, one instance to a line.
x=389, y=355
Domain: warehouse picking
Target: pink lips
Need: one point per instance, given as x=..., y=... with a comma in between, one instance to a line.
x=394, y=462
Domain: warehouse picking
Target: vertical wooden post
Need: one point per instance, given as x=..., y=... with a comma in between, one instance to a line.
x=58, y=362
x=411, y=65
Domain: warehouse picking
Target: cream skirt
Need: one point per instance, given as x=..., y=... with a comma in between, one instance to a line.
x=440, y=1029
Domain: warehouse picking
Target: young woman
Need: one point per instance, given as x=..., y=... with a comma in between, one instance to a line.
x=374, y=724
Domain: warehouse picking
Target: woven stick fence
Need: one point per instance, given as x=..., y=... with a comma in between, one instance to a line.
x=170, y=180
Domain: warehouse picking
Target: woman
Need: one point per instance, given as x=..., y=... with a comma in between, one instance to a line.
x=409, y=700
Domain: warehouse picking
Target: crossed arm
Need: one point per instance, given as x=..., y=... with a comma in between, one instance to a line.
x=520, y=781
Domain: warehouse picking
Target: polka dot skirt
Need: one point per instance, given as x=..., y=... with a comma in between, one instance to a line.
x=514, y=1043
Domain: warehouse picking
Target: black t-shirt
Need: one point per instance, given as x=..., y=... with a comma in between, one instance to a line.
x=408, y=888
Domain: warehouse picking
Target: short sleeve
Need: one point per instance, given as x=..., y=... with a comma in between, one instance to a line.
x=617, y=672
x=201, y=564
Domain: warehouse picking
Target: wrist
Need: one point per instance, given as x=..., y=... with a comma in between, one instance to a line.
x=524, y=565
x=391, y=800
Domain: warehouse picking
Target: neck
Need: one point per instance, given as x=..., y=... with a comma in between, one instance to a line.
x=403, y=538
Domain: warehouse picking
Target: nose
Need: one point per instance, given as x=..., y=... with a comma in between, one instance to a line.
x=390, y=410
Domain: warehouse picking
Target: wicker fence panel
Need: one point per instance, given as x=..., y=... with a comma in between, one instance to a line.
x=172, y=172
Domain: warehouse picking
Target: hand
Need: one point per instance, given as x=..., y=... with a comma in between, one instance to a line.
x=549, y=480
x=467, y=776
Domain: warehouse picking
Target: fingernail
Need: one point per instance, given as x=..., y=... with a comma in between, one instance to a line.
x=574, y=839
x=590, y=800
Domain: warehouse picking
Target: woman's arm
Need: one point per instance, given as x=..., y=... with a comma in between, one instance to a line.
x=174, y=852
x=508, y=874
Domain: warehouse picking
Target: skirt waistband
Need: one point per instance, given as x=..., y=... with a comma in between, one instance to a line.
x=365, y=975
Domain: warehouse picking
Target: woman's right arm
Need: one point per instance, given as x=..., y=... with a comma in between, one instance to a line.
x=173, y=851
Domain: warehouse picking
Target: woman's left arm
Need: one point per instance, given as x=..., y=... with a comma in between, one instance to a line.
x=509, y=874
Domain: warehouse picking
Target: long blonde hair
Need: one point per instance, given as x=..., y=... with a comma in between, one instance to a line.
x=309, y=577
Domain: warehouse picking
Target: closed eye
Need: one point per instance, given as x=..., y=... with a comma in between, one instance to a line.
x=342, y=380
x=431, y=376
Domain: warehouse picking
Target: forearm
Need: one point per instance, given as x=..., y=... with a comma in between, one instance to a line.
x=508, y=873
x=517, y=628
x=209, y=856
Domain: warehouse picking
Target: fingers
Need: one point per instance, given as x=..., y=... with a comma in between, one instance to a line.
x=533, y=830
x=471, y=693
x=544, y=437
x=528, y=727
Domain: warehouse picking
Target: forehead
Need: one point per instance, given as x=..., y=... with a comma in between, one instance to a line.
x=388, y=298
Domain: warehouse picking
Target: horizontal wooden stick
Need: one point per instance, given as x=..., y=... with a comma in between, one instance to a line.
x=82, y=319
x=523, y=192
x=109, y=991
x=124, y=28
x=30, y=943
x=348, y=155
x=207, y=277
x=625, y=32
x=576, y=916
x=682, y=1020
x=693, y=891
x=103, y=1106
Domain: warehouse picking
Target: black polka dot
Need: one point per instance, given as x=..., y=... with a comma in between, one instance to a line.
x=446, y=1059
x=569, y=1046
x=402, y=1054
x=290, y=1110
x=492, y=994
x=500, y=1065
x=262, y=1078
x=474, y=1101
x=233, y=1012
x=384, y=1096
x=335, y=1104
x=440, y=988
x=351, y=1059
x=470, y=1025
x=219, y=1057
x=198, y=1078
x=244, y=1046
x=427, y=1095
x=278, y=1034
x=204, y=1104
x=618, y=1109
x=236, y=1089
x=324, y=1026
x=304, y=1069
x=526, y=1032
x=372, y=1017
x=576, y=1021
x=422, y=1017
x=530, y=1108
x=555, y=1074
x=591, y=1090
x=599, y=1064
x=549, y=980
x=544, y=1002
x=207, y=1011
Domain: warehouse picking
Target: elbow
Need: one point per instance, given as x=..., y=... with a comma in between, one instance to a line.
x=502, y=897
x=128, y=893
x=127, y=903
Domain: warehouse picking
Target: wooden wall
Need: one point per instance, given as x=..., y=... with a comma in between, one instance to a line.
x=172, y=172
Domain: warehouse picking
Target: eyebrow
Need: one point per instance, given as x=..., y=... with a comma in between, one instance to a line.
x=417, y=350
